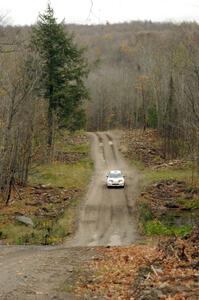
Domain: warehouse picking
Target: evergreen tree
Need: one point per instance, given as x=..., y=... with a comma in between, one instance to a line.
x=63, y=69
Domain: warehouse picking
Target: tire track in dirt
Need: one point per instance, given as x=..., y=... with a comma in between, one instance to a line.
x=110, y=141
x=130, y=210
x=106, y=216
x=123, y=195
x=101, y=146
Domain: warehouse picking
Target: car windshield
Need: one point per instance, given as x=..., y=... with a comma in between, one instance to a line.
x=115, y=175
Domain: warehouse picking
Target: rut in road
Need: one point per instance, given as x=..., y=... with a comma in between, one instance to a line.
x=107, y=216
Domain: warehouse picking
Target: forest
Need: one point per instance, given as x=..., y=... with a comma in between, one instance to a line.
x=128, y=94
x=145, y=75
x=131, y=75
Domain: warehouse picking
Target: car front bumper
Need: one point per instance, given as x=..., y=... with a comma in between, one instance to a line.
x=115, y=184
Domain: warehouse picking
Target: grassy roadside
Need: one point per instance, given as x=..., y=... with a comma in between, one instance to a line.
x=51, y=197
x=75, y=175
x=185, y=174
x=169, y=200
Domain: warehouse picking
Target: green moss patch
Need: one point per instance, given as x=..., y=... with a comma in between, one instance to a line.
x=156, y=227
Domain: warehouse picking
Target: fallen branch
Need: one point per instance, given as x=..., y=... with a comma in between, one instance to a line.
x=154, y=270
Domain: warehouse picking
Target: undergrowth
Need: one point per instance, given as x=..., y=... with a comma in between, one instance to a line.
x=48, y=230
x=169, y=223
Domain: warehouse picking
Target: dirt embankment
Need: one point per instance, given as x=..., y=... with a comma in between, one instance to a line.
x=174, y=274
x=169, y=203
x=148, y=148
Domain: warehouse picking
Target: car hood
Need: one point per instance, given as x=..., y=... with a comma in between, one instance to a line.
x=115, y=179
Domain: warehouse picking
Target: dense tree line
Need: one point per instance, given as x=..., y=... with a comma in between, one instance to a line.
x=146, y=75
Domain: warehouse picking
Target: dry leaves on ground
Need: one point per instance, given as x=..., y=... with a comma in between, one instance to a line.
x=113, y=274
x=169, y=271
x=175, y=275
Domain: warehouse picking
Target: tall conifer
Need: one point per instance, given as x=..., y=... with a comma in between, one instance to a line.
x=63, y=69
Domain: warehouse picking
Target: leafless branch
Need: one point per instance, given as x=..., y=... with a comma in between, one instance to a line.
x=90, y=11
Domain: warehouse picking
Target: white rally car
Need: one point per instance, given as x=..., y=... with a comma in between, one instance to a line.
x=115, y=178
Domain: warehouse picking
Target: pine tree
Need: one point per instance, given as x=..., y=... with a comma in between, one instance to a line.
x=63, y=69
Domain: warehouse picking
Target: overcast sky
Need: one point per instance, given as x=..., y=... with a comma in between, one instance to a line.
x=77, y=11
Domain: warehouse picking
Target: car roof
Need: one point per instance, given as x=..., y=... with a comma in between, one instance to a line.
x=115, y=172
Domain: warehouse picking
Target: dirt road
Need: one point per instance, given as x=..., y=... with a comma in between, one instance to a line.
x=106, y=218
x=40, y=273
